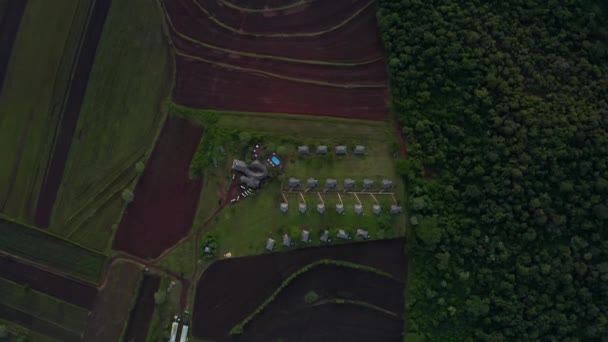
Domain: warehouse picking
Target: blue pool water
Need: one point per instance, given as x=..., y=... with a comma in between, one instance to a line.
x=276, y=160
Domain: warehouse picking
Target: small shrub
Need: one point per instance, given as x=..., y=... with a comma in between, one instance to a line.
x=127, y=195
x=139, y=167
x=311, y=297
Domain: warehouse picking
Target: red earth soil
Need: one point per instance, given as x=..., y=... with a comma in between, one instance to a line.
x=358, y=40
x=298, y=20
x=65, y=131
x=229, y=290
x=165, y=197
x=373, y=73
x=69, y=290
x=137, y=329
x=208, y=86
x=36, y=324
x=325, y=323
x=113, y=304
x=9, y=25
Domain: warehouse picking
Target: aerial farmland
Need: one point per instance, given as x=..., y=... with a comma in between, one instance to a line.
x=301, y=170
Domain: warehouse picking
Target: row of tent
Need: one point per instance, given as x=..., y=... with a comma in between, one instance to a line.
x=305, y=237
x=331, y=183
x=302, y=207
x=340, y=150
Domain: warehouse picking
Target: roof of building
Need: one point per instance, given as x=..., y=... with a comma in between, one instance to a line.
x=270, y=244
x=376, y=208
x=303, y=149
x=284, y=207
x=368, y=183
x=342, y=234
x=305, y=235
x=312, y=182
x=362, y=233
x=294, y=182
x=286, y=240
x=358, y=208
x=341, y=149
x=359, y=149
x=340, y=208
x=251, y=182
x=302, y=207
x=395, y=209
x=331, y=183
x=321, y=208
x=349, y=183
x=321, y=149
x=386, y=183
x=325, y=236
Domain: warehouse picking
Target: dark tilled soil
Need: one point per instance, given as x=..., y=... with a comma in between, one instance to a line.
x=231, y=289
x=69, y=290
x=69, y=120
x=10, y=18
x=139, y=322
x=36, y=324
x=165, y=197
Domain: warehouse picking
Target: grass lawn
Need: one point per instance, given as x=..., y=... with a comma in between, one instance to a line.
x=42, y=306
x=31, y=104
x=38, y=246
x=123, y=110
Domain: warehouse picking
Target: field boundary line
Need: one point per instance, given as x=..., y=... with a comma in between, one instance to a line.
x=266, y=9
x=262, y=56
x=77, y=333
x=238, y=329
x=357, y=303
x=283, y=35
x=259, y=72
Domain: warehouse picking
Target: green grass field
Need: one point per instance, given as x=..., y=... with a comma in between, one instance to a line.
x=31, y=104
x=20, y=331
x=38, y=246
x=42, y=306
x=121, y=115
x=242, y=229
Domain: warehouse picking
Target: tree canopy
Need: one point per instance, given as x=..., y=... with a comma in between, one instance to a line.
x=506, y=102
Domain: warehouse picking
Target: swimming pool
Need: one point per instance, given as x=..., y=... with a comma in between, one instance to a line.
x=275, y=161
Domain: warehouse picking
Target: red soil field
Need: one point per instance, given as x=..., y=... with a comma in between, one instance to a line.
x=113, y=304
x=69, y=120
x=359, y=40
x=213, y=87
x=69, y=290
x=137, y=329
x=288, y=67
x=10, y=19
x=35, y=324
x=229, y=290
x=165, y=197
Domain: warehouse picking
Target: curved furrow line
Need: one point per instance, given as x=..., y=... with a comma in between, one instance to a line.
x=279, y=76
x=262, y=56
x=366, y=305
x=282, y=35
x=267, y=9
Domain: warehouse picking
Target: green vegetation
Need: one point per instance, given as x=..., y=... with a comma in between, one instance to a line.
x=311, y=297
x=504, y=107
x=23, y=334
x=118, y=123
x=35, y=90
x=238, y=329
x=42, y=306
x=38, y=246
x=167, y=305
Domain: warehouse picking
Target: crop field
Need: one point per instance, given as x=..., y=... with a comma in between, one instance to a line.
x=117, y=125
x=40, y=312
x=69, y=120
x=11, y=12
x=314, y=58
x=139, y=322
x=40, y=247
x=66, y=289
x=113, y=305
x=230, y=290
x=33, y=98
x=165, y=197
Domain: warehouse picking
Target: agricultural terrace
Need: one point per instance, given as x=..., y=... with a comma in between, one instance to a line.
x=118, y=123
x=41, y=313
x=248, y=292
x=244, y=227
x=51, y=251
x=10, y=18
x=35, y=91
x=315, y=58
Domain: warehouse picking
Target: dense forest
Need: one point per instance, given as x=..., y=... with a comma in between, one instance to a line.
x=505, y=108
